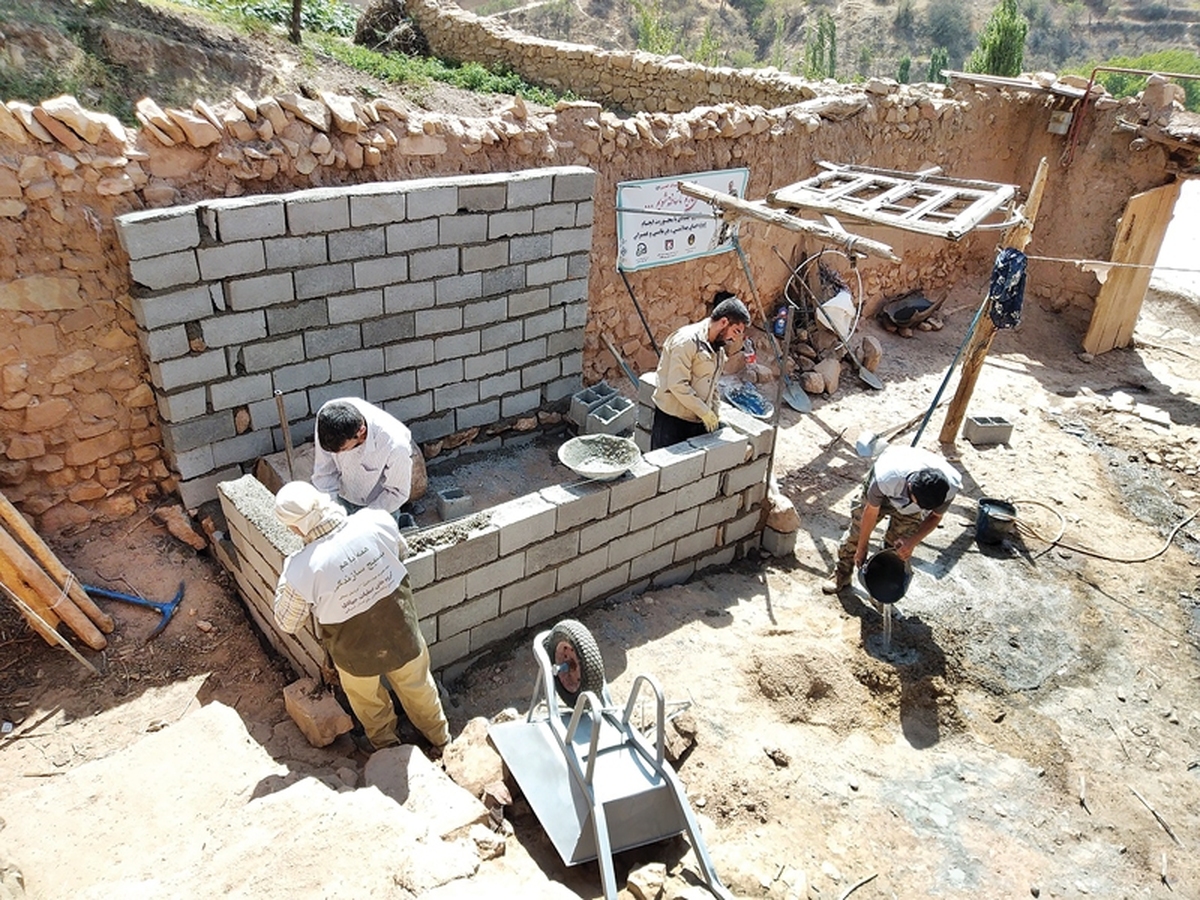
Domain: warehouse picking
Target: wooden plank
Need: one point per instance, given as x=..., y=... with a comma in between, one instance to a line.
x=1138, y=239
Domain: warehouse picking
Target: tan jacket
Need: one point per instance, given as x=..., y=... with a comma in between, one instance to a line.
x=687, y=373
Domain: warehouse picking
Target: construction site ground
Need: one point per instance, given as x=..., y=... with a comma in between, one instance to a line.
x=1031, y=732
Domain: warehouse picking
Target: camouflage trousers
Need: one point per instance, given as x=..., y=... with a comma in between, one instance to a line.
x=899, y=526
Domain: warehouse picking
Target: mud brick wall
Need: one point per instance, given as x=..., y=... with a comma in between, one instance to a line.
x=480, y=580
x=453, y=303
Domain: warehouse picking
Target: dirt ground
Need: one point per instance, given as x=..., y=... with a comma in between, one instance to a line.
x=1031, y=731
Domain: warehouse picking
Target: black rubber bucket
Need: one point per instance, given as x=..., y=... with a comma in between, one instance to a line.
x=886, y=576
x=995, y=521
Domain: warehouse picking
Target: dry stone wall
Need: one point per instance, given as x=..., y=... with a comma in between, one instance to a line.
x=80, y=434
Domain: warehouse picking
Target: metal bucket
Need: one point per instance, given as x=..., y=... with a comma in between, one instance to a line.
x=886, y=576
x=996, y=521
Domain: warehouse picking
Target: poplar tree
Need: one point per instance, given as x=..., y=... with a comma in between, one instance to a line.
x=1001, y=47
x=938, y=61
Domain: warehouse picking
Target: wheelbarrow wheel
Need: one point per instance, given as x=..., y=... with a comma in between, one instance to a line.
x=570, y=643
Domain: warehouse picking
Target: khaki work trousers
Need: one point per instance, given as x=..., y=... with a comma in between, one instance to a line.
x=414, y=685
x=899, y=526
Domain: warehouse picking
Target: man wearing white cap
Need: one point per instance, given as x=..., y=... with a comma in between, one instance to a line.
x=351, y=575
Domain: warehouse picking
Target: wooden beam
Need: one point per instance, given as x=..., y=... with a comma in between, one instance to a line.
x=732, y=208
x=979, y=342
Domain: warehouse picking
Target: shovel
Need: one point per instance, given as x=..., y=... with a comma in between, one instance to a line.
x=865, y=375
x=872, y=443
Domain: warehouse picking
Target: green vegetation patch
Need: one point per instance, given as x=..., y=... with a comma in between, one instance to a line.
x=1123, y=84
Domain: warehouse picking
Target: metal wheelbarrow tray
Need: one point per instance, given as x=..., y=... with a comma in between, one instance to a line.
x=595, y=783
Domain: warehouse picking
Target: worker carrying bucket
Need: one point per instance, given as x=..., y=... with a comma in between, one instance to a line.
x=911, y=487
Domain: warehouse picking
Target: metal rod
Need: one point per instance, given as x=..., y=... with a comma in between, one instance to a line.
x=645, y=324
x=287, y=434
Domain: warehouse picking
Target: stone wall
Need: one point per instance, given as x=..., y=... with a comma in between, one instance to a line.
x=79, y=430
x=481, y=579
x=455, y=304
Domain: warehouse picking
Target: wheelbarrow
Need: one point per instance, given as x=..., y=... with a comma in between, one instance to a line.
x=596, y=784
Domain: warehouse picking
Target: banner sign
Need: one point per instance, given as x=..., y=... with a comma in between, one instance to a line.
x=657, y=225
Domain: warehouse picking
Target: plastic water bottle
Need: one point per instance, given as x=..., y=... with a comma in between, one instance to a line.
x=748, y=352
x=780, y=324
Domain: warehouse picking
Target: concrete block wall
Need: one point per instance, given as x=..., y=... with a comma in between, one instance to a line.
x=453, y=303
x=484, y=579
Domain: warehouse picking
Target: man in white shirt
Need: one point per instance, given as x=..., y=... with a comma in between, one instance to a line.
x=912, y=488
x=363, y=456
x=351, y=575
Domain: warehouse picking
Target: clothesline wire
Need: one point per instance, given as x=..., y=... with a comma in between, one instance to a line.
x=1110, y=264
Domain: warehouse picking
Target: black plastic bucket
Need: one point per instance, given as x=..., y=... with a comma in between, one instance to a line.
x=886, y=576
x=995, y=521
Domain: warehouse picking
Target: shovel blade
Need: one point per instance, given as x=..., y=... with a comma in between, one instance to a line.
x=870, y=444
x=796, y=398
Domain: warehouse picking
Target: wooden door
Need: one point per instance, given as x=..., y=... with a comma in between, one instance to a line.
x=1139, y=236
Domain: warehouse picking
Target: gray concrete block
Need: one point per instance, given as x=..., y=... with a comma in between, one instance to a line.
x=524, y=303
x=415, y=411
x=617, y=416
x=411, y=355
x=245, y=448
x=605, y=584
x=562, y=388
x=160, y=310
x=502, y=335
x=529, y=188
x=432, y=197
x=551, y=217
x=265, y=414
x=677, y=574
x=552, y=552
x=450, y=346
x=577, y=184
x=702, y=491
x=585, y=212
x=440, y=374
x=435, y=262
x=239, y=391
x=548, y=322
x=509, y=222
x=651, y=511
x=195, y=491
x=380, y=272
x=575, y=310
x=648, y=564
x=294, y=252
x=575, y=240
x=497, y=385
x=482, y=197
x=356, y=364
x=398, y=298
x=577, y=503
x=636, y=487
x=518, y=404
x=698, y=543
x=327, y=341
x=454, y=289
x=188, y=370
x=582, y=568
x=449, y=654
x=630, y=546
x=607, y=529
x=579, y=265
x=478, y=313
x=420, y=568
x=524, y=521
x=158, y=232
x=193, y=463
x=753, y=474
x=546, y=272
x=297, y=316
x=526, y=248
x=528, y=590
x=719, y=510
x=438, y=321
x=720, y=558
x=244, y=218
x=483, y=365
x=453, y=396
x=469, y=614
x=184, y=436
x=478, y=549
x=778, y=543
x=357, y=244
x=164, y=343
x=301, y=376
x=492, y=576
x=566, y=341
x=320, y=210
x=524, y=353
x=262, y=356
x=497, y=630
x=588, y=399
x=760, y=434
x=391, y=385
x=319, y=396
x=355, y=307
x=740, y=528
x=261, y=291
x=456, y=230
x=226, y=260
x=162, y=272
x=553, y=607
x=183, y=405
x=477, y=416
x=441, y=594
x=234, y=328
x=491, y=255
x=321, y=281
x=540, y=373
x=675, y=527
x=377, y=204
x=405, y=237
x=678, y=465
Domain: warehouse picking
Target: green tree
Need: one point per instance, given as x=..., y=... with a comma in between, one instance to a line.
x=820, y=51
x=1121, y=84
x=904, y=17
x=1001, y=49
x=866, y=56
x=940, y=59
x=949, y=27
x=905, y=68
x=653, y=29
x=708, y=53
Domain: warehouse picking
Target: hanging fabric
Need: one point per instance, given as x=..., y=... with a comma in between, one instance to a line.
x=1006, y=292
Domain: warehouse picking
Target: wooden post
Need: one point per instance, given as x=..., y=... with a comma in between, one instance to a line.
x=980, y=340
x=19, y=528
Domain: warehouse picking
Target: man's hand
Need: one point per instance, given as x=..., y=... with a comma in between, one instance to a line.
x=710, y=420
x=905, y=547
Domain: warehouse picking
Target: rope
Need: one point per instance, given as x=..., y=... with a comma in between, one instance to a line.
x=1079, y=263
x=65, y=593
x=1027, y=529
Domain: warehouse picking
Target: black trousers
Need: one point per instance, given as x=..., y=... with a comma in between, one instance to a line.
x=668, y=430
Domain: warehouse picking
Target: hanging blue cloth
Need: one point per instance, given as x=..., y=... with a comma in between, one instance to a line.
x=1006, y=292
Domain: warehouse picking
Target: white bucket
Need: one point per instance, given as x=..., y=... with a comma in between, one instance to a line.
x=839, y=311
